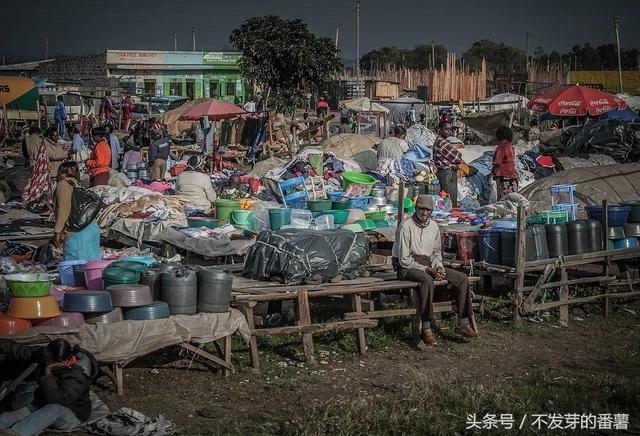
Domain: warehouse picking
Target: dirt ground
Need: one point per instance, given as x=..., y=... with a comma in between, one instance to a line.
x=199, y=401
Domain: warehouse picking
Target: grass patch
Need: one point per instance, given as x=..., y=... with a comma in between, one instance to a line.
x=443, y=409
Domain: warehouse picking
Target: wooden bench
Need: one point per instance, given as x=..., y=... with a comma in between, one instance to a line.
x=248, y=293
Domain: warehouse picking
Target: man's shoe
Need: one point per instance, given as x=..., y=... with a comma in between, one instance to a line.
x=429, y=338
x=466, y=332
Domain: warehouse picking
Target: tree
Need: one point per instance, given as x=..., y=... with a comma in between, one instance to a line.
x=283, y=57
x=418, y=57
x=501, y=58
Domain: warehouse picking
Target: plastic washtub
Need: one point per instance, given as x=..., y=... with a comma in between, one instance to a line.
x=626, y=243
x=29, y=285
x=617, y=214
x=318, y=205
x=87, y=301
x=367, y=224
x=376, y=216
x=358, y=202
x=351, y=178
x=339, y=216
x=34, y=307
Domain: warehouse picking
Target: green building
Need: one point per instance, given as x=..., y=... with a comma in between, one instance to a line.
x=179, y=73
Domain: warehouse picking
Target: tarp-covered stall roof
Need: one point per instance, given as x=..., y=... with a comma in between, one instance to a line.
x=615, y=183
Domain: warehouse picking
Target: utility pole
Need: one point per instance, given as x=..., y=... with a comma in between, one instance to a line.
x=193, y=38
x=615, y=24
x=358, y=43
x=526, y=64
x=337, y=35
x=46, y=48
x=433, y=55
x=175, y=42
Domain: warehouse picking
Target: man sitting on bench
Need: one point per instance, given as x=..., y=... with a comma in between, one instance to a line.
x=417, y=257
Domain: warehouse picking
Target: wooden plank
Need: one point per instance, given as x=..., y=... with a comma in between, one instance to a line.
x=520, y=265
x=597, y=279
x=227, y=354
x=243, y=284
x=535, y=290
x=117, y=370
x=254, y=355
x=208, y=356
x=316, y=328
x=380, y=314
x=335, y=290
x=304, y=320
x=564, y=297
x=579, y=259
x=356, y=304
x=581, y=300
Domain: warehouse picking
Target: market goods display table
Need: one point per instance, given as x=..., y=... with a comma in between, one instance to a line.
x=118, y=344
x=247, y=293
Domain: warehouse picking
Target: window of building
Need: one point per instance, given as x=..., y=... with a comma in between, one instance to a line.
x=150, y=87
x=175, y=88
x=213, y=89
x=231, y=88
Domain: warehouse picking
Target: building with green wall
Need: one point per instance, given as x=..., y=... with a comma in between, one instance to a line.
x=178, y=73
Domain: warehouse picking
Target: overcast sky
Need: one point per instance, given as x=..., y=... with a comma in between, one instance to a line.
x=89, y=26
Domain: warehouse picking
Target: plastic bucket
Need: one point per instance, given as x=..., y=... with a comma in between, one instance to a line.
x=489, y=242
x=224, y=208
x=72, y=272
x=279, y=217
x=241, y=218
x=93, y=273
x=467, y=246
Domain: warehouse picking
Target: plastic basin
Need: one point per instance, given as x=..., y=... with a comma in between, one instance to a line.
x=87, y=301
x=34, y=307
x=319, y=205
x=155, y=310
x=130, y=295
x=617, y=214
x=10, y=325
x=29, y=285
x=358, y=202
x=130, y=265
x=105, y=317
x=67, y=319
x=197, y=221
x=340, y=205
x=357, y=228
x=367, y=224
x=351, y=178
x=625, y=243
x=242, y=218
x=339, y=216
x=376, y=216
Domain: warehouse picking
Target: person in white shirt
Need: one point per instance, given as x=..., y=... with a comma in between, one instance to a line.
x=250, y=106
x=196, y=185
x=417, y=257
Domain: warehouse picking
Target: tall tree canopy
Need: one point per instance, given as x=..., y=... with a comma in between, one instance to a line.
x=419, y=57
x=501, y=58
x=282, y=56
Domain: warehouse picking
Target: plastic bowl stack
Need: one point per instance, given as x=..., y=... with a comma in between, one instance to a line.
x=155, y=310
x=112, y=316
x=30, y=300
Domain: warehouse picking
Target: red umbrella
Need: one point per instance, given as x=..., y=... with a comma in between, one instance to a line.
x=216, y=110
x=576, y=101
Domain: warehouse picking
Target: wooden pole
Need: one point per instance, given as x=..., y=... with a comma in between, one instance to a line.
x=521, y=250
x=605, y=238
x=615, y=23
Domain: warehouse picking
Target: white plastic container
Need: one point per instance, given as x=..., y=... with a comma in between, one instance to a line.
x=301, y=218
x=325, y=222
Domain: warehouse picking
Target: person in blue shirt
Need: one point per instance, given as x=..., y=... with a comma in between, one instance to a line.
x=60, y=116
x=114, y=143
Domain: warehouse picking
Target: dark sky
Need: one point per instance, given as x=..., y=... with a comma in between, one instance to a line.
x=89, y=26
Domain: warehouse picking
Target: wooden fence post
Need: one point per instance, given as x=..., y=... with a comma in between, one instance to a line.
x=518, y=294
